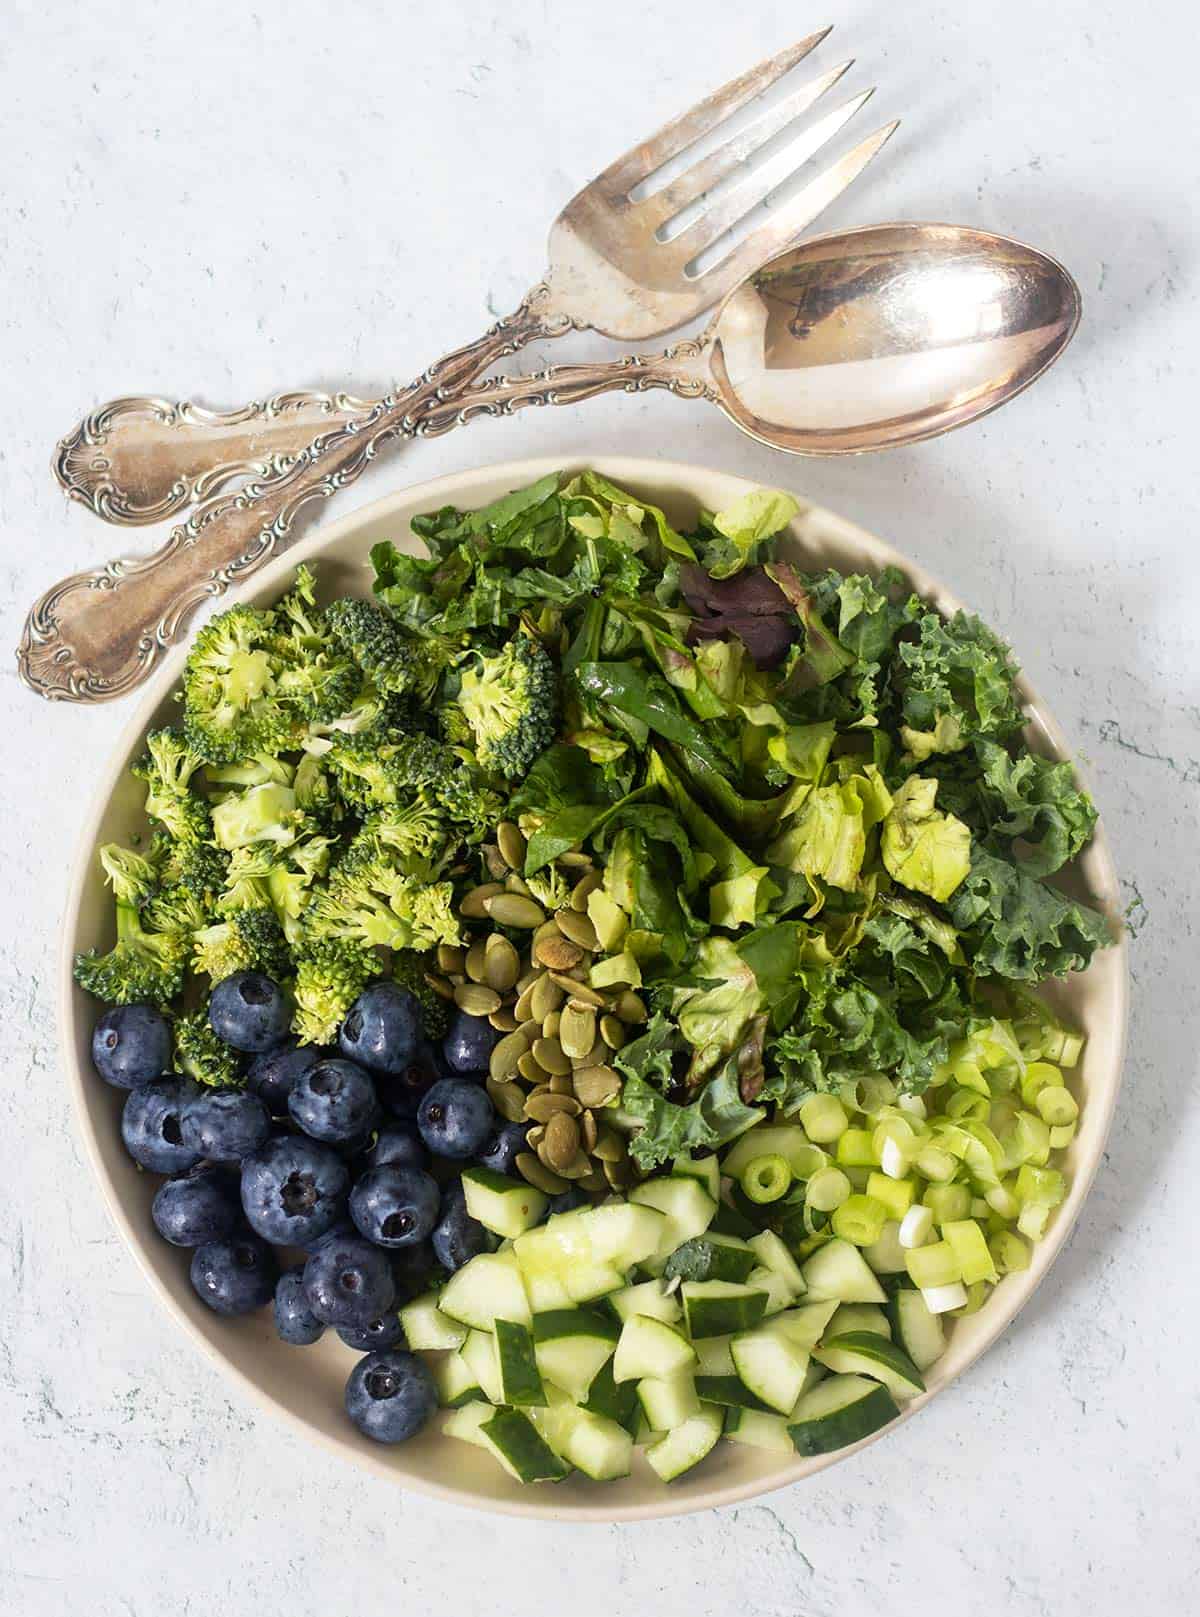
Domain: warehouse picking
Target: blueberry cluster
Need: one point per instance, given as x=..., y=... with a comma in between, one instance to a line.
x=329, y=1184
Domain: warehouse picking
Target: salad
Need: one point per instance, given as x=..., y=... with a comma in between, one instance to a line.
x=597, y=978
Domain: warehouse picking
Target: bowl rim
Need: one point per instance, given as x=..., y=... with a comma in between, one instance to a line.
x=457, y=487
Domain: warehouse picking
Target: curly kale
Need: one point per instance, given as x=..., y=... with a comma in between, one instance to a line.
x=511, y=703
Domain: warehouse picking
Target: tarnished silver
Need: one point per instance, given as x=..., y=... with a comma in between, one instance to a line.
x=96, y=635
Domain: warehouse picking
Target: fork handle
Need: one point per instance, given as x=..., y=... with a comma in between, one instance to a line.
x=97, y=634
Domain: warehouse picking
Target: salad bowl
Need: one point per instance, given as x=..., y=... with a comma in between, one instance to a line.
x=306, y=1388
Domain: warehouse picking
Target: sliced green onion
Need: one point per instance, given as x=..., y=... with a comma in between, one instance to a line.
x=1060, y=1138
x=1028, y=1141
x=827, y=1190
x=970, y=1248
x=947, y=1202
x=875, y=1091
x=1039, y=1191
x=916, y=1226
x=936, y=1164
x=886, y=1256
x=1058, y=1107
x=860, y=1219
x=1002, y=1201
x=897, y=1195
x=967, y=1103
x=855, y=1148
x=933, y=1265
x=806, y=1160
x=944, y=1299
x=913, y=1105
x=823, y=1118
x=977, y=1295
x=968, y=1076
x=767, y=1178
x=1009, y=1253
x=1039, y=1075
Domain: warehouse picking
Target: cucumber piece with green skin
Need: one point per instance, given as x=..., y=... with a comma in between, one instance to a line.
x=706, y=1169
x=758, y=1431
x=427, y=1328
x=779, y=1293
x=586, y=1282
x=713, y=1357
x=546, y=1291
x=503, y=1205
x=839, y=1411
x=719, y=1307
x=838, y=1270
x=668, y=1401
x=919, y=1332
x=867, y=1354
x=711, y=1257
x=859, y=1317
x=730, y=1392
x=456, y=1382
x=465, y=1423
x=886, y=1256
x=623, y=1233
x=486, y=1289
x=570, y=1345
x=649, y=1298
x=520, y=1383
x=512, y=1437
x=807, y=1324
x=602, y=1449
x=771, y=1365
x=686, y=1206
x=687, y=1445
x=773, y=1254
x=728, y=1221
x=648, y=1347
x=613, y=1401
x=786, y=1140
x=478, y=1353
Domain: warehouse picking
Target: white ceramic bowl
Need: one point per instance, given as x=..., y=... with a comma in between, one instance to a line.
x=305, y=1385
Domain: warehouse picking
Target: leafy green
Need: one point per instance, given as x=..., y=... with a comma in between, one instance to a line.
x=1014, y=926
x=1037, y=800
x=958, y=669
x=743, y=527
x=672, y=1123
x=922, y=849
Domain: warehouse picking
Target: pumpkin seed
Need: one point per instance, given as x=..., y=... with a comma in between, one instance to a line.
x=474, y=903
x=501, y=963
x=531, y=1069
x=578, y=928
x=545, y=997
x=548, y=929
x=533, y=1136
x=537, y=1174
x=544, y=1103
x=578, y=1169
x=550, y=1025
x=573, y=859
x=477, y=999
x=527, y=978
x=515, y=909
x=583, y=992
x=595, y=1057
x=630, y=1007
x=440, y=985
x=507, y=1098
x=503, y=1020
x=512, y=843
x=550, y=1054
x=495, y=862
x=557, y=952
x=612, y=1031
x=474, y=962
x=560, y=1083
x=577, y=1029
x=595, y=1086
x=620, y=1175
x=593, y=1181
x=559, y=1146
x=585, y=885
x=450, y=958
x=505, y=1056
x=517, y=884
x=609, y=1146
x=523, y=1009
x=587, y=1128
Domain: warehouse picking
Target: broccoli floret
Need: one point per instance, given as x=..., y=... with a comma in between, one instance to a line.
x=416, y=834
x=292, y=875
x=167, y=767
x=330, y=975
x=550, y=887
x=259, y=770
x=133, y=876
x=405, y=665
x=511, y=703
x=198, y=867
x=454, y=726
x=258, y=814
x=175, y=909
x=246, y=884
x=232, y=708
x=317, y=678
x=370, y=899
x=250, y=940
x=373, y=774
x=201, y=1055
x=141, y=965
x=431, y=915
x=410, y=970
x=316, y=795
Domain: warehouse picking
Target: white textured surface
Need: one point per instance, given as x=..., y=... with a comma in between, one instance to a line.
x=224, y=199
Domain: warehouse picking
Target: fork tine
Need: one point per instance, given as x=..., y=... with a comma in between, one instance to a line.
x=789, y=222
x=641, y=160
x=758, y=183
x=702, y=176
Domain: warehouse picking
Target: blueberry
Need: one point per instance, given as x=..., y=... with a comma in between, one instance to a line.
x=195, y=1207
x=455, y=1118
x=568, y=1200
x=152, y=1125
x=295, y=1321
x=131, y=1045
x=457, y=1236
x=250, y=1012
x=335, y=1232
x=225, y=1125
x=382, y=1028
x=385, y=1332
x=334, y=1101
x=293, y=1189
x=235, y=1275
x=501, y=1150
x=398, y=1145
x=411, y=1266
x=390, y=1395
x=469, y=1044
x=349, y=1282
x=394, y=1206
x=272, y=1074
x=402, y=1092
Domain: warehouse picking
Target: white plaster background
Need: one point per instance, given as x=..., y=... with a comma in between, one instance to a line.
x=229, y=198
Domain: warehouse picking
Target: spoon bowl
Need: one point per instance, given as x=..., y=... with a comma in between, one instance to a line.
x=887, y=335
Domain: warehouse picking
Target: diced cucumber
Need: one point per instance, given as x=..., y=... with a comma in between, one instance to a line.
x=779, y=1293
x=648, y=1347
x=546, y=1291
x=758, y=1431
x=624, y=1233
x=613, y=1402
x=478, y=1353
x=706, y=1169
x=570, y=1345
x=771, y=1365
x=773, y=1255
x=864, y=1353
x=688, y=1208
x=838, y=1270
x=517, y=1444
x=718, y=1307
x=427, y=1328
x=713, y=1357
x=465, y=1423
x=786, y=1140
x=555, y=1246
x=649, y=1298
x=520, y=1383
x=506, y=1206
x=886, y=1256
x=918, y=1331
x=456, y=1382
x=486, y=1289
x=667, y=1401
x=600, y=1448
x=859, y=1317
x=587, y=1281
x=687, y=1445
x=711, y=1257
x=728, y=1220
x=730, y=1392
x=806, y=1325
x=838, y=1411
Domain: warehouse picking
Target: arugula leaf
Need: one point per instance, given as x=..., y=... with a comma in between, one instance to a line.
x=1039, y=801
x=922, y=849
x=1013, y=925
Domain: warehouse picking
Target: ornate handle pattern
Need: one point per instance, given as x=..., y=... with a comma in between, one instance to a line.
x=96, y=635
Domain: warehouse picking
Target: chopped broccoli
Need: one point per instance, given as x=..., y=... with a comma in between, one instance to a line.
x=416, y=833
x=250, y=940
x=198, y=867
x=257, y=814
x=550, y=887
x=330, y=975
x=141, y=966
x=511, y=703
x=374, y=773
x=133, y=876
x=392, y=660
x=409, y=969
x=246, y=884
x=232, y=708
x=201, y=1055
x=317, y=678
x=370, y=899
x=176, y=909
x=431, y=915
x=292, y=875
x=167, y=767
x=257, y=770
